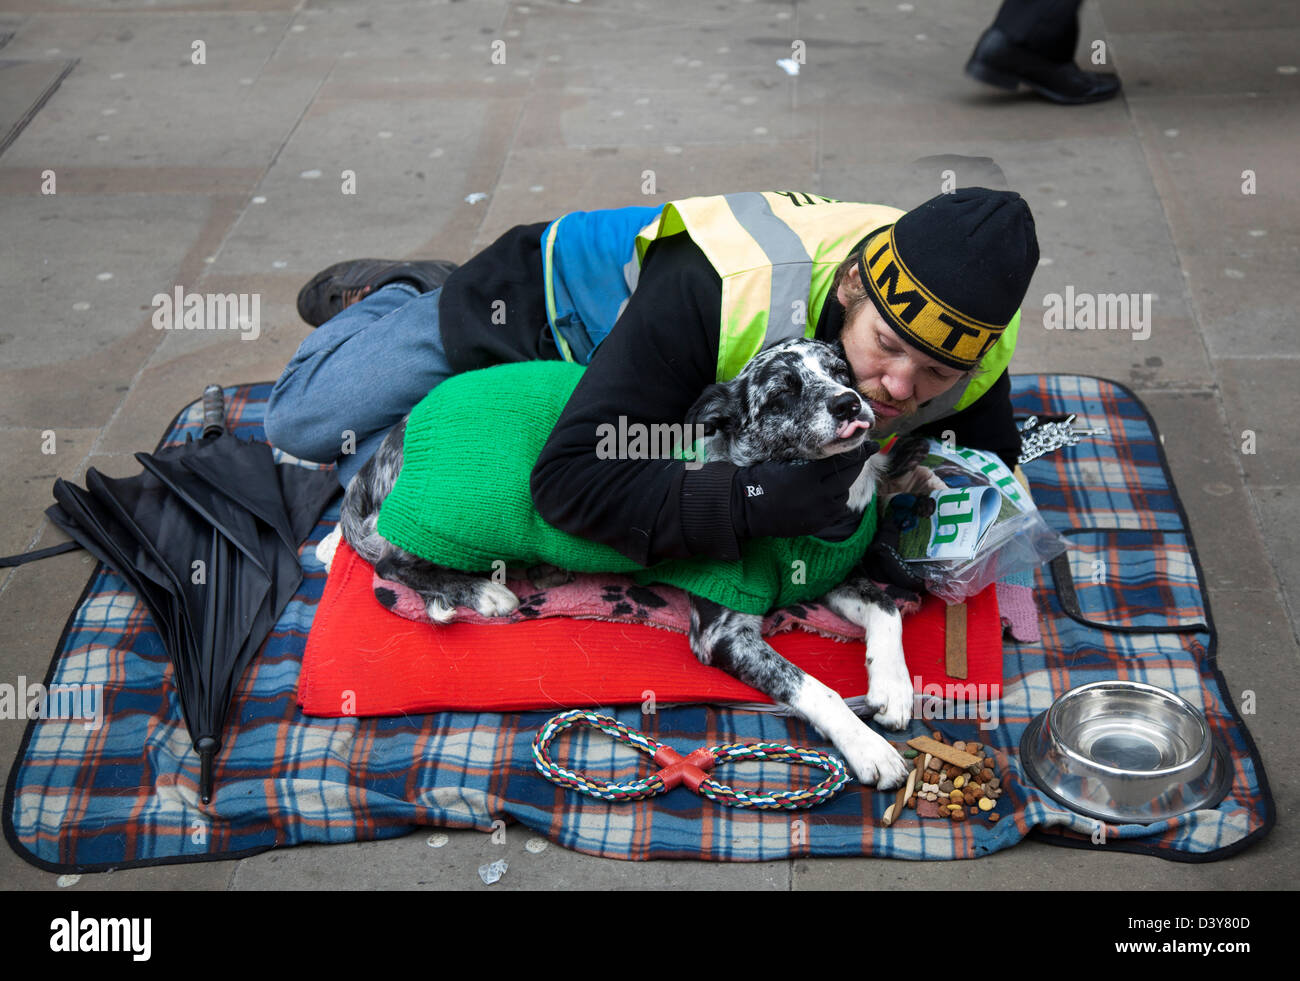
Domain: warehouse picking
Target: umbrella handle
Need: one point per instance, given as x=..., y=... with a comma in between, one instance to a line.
x=214, y=411
x=207, y=747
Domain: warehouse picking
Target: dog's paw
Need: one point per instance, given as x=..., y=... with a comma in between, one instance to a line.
x=495, y=600
x=439, y=610
x=327, y=546
x=875, y=762
x=547, y=576
x=889, y=695
x=484, y=597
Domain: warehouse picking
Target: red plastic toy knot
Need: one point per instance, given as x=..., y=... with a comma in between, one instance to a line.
x=679, y=769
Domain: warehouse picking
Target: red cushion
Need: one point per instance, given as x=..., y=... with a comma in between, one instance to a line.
x=363, y=660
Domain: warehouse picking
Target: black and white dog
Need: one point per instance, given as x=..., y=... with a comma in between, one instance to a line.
x=793, y=401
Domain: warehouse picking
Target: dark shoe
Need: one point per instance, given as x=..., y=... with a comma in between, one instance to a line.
x=335, y=289
x=999, y=62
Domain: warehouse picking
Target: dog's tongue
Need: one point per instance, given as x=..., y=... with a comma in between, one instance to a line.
x=847, y=429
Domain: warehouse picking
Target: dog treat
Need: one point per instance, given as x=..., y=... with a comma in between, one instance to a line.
x=946, y=753
x=950, y=780
x=895, y=810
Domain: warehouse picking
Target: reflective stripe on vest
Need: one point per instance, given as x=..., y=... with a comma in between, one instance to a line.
x=776, y=254
x=548, y=283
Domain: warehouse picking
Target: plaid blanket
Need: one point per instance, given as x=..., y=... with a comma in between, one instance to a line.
x=119, y=792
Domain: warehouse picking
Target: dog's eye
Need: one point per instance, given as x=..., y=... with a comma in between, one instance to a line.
x=786, y=388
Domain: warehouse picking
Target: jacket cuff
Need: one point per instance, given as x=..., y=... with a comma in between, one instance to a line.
x=706, y=512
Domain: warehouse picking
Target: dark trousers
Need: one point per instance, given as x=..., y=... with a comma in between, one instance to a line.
x=1047, y=27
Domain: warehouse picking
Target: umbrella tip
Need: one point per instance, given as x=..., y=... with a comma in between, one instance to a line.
x=207, y=747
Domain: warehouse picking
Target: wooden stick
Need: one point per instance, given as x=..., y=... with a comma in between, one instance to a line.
x=954, y=644
x=895, y=810
x=943, y=751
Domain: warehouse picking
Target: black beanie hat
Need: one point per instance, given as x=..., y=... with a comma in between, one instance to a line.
x=949, y=275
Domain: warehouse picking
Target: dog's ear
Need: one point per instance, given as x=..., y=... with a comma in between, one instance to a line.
x=717, y=410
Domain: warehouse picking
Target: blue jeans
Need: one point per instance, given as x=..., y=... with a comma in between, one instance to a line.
x=356, y=376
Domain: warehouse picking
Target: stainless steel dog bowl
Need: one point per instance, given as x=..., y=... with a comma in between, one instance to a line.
x=1125, y=752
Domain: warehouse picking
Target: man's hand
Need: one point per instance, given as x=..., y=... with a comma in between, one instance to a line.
x=787, y=499
x=883, y=564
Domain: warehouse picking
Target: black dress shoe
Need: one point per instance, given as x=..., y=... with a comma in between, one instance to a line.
x=336, y=288
x=1000, y=62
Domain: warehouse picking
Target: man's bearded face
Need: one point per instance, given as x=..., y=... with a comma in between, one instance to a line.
x=894, y=376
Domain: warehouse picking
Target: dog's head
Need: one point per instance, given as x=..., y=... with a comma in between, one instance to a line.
x=794, y=401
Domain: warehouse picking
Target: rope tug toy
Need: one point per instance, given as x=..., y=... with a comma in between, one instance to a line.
x=678, y=769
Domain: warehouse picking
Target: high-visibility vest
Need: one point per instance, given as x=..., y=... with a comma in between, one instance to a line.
x=775, y=252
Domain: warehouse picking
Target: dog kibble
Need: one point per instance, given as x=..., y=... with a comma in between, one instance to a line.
x=951, y=784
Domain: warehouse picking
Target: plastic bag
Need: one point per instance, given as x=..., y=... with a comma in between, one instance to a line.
x=1022, y=543
x=982, y=526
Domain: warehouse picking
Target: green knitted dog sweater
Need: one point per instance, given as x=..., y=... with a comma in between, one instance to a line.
x=462, y=499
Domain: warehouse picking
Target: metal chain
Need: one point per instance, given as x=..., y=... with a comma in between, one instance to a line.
x=1038, y=438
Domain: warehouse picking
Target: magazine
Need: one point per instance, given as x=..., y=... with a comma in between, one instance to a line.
x=955, y=523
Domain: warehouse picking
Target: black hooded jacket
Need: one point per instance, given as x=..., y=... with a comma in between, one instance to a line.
x=653, y=365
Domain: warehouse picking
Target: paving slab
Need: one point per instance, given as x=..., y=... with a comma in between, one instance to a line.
x=1206, y=471
x=450, y=859
x=34, y=458
x=1259, y=403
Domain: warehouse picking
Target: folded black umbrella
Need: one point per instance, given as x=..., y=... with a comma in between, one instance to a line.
x=207, y=535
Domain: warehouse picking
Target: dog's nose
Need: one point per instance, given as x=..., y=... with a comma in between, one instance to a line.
x=845, y=406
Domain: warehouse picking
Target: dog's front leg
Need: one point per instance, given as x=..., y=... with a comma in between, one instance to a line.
x=889, y=691
x=733, y=642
